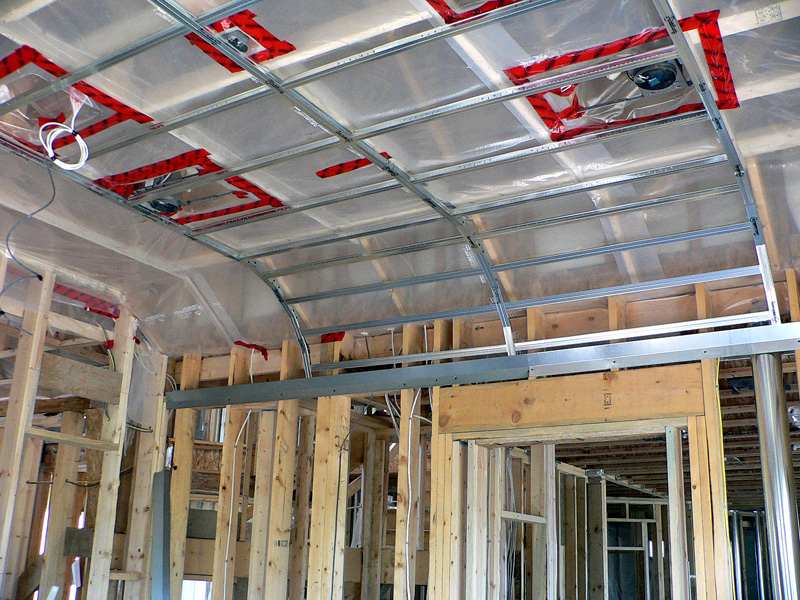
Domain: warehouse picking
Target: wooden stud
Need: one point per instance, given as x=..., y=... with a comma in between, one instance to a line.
x=298, y=563
x=21, y=402
x=570, y=538
x=229, y=483
x=150, y=454
x=327, y=558
x=63, y=492
x=723, y=559
x=679, y=575
x=458, y=523
x=477, y=549
x=29, y=519
x=701, y=511
x=283, y=475
x=374, y=515
x=113, y=431
x=180, y=486
x=265, y=445
x=496, y=530
x=581, y=526
x=597, y=539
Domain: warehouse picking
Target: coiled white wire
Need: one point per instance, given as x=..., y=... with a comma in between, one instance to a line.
x=56, y=130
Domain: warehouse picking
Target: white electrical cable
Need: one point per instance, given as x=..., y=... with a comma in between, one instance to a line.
x=56, y=130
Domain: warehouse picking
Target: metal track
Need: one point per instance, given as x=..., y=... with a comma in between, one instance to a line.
x=704, y=89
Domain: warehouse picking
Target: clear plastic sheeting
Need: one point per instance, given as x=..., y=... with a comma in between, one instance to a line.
x=329, y=219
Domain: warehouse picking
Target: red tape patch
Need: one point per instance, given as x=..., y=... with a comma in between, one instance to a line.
x=711, y=41
x=451, y=16
x=26, y=55
x=346, y=167
x=261, y=349
x=327, y=338
x=126, y=184
x=246, y=21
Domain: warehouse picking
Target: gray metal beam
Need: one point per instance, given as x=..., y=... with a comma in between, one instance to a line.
x=160, y=561
x=704, y=89
x=685, y=348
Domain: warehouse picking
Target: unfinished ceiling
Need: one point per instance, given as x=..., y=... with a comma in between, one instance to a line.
x=259, y=170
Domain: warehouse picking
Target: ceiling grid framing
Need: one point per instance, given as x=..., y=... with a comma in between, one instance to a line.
x=355, y=138
x=412, y=41
x=704, y=89
x=361, y=135
x=461, y=225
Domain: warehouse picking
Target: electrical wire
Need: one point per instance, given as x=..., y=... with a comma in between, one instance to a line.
x=11, y=231
x=54, y=131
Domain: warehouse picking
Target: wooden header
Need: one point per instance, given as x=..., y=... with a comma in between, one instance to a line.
x=652, y=393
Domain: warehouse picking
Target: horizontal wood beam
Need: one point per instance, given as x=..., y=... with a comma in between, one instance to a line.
x=658, y=392
x=80, y=379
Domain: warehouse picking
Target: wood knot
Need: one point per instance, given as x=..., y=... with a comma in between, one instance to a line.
x=515, y=416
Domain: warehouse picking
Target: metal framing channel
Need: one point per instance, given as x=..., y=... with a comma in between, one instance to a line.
x=593, y=185
x=458, y=168
x=526, y=263
x=551, y=344
x=544, y=194
x=412, y=41
x=702, y=86
x=629, y=288
x=217, y=247
x=728, y=343
x=508, y=229
x=180, y=14
x=120, y=56
x=358, y=137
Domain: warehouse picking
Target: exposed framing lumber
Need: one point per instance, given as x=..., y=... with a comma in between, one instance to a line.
x=230, y=482
x=113, y=431
x=457, y=560
x=299, y=544
x=181, y=481
x=475, y=583
x=409, y=477
x=54, y=572
x=265, y=446
x=80, y=379
x=597, y=539
x=283, y=475
x=20, y=407
x=150, y=455
x=496, y=529
x=679, y=574
x=374, y=516
x=701, y=511
x=657, y=392
x=331, y=456
x=544, y=541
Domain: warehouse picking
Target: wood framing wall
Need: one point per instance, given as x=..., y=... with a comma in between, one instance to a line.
x=300, y=488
